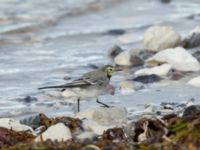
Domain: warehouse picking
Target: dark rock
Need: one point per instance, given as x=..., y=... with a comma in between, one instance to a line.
x=114, y=51
x=136, y=61
x=193, y=110
x=145, y=54
x=116, y=32
x=33, y=121
x=148, y=78
x=168, y=107
x=165, y=1
x=27, y=99
x=197, y=55
x=169, y=116
x=192, y=41
x=169, y=103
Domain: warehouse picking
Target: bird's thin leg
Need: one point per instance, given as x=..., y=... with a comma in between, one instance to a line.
x=105, y=105
x=78, y=104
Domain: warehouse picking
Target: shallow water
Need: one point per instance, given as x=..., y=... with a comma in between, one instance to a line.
x=41, y=42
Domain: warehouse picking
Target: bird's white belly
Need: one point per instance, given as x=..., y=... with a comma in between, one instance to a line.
x=83, y=94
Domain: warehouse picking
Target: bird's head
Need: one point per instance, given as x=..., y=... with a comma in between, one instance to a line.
x=109, y=70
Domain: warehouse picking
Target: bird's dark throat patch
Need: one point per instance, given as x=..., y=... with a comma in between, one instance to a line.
x=109, y=76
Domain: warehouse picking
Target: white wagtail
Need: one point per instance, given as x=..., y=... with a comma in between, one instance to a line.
x=89, y=85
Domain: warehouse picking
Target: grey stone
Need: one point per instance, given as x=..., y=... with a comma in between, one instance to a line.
x=192, y=111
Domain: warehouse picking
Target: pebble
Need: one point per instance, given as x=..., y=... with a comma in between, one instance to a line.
x=86, y=135
x=57, y=132
x=127, y=58
x=197, y=55
x=96, y=128
x=162, y=70
x=178, y=58
x=143, y=54
x=194, y=82
x=147, y=78
x=157, y=38
x=193, y=41
x=192, y=111
x=114, y=51
x=105, y=116
x=15, y=125
x=27, y=99
x=116, y=32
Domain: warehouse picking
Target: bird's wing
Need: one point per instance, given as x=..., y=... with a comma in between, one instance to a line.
x=83, y=81
x=91, y=78
x=76, y=83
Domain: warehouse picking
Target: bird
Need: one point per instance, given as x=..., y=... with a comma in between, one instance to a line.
x=90, y=85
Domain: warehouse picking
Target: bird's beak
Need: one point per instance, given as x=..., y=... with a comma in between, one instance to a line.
x=117, y=68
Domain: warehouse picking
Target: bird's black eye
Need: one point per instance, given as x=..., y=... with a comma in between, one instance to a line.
x=110, y=69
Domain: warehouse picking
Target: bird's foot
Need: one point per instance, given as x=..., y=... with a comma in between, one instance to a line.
x=103, y=104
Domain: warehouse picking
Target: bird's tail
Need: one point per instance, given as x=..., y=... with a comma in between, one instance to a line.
x=51, y=87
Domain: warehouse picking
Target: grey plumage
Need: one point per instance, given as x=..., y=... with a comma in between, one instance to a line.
x=97, y=77
x=89, y=85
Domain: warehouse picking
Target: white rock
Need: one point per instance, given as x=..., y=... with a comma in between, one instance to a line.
x=57, y=132
x=14, y=125
x=178, y=58
x=105, y=116
x=100, y=119
x=195, y=82
x=95, y=127
x=162, y=70
x=123, y=59
x=160, y=37
x=128, y=58
x=86, y=135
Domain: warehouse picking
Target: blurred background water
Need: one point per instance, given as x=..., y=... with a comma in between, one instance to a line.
x=43, y=41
